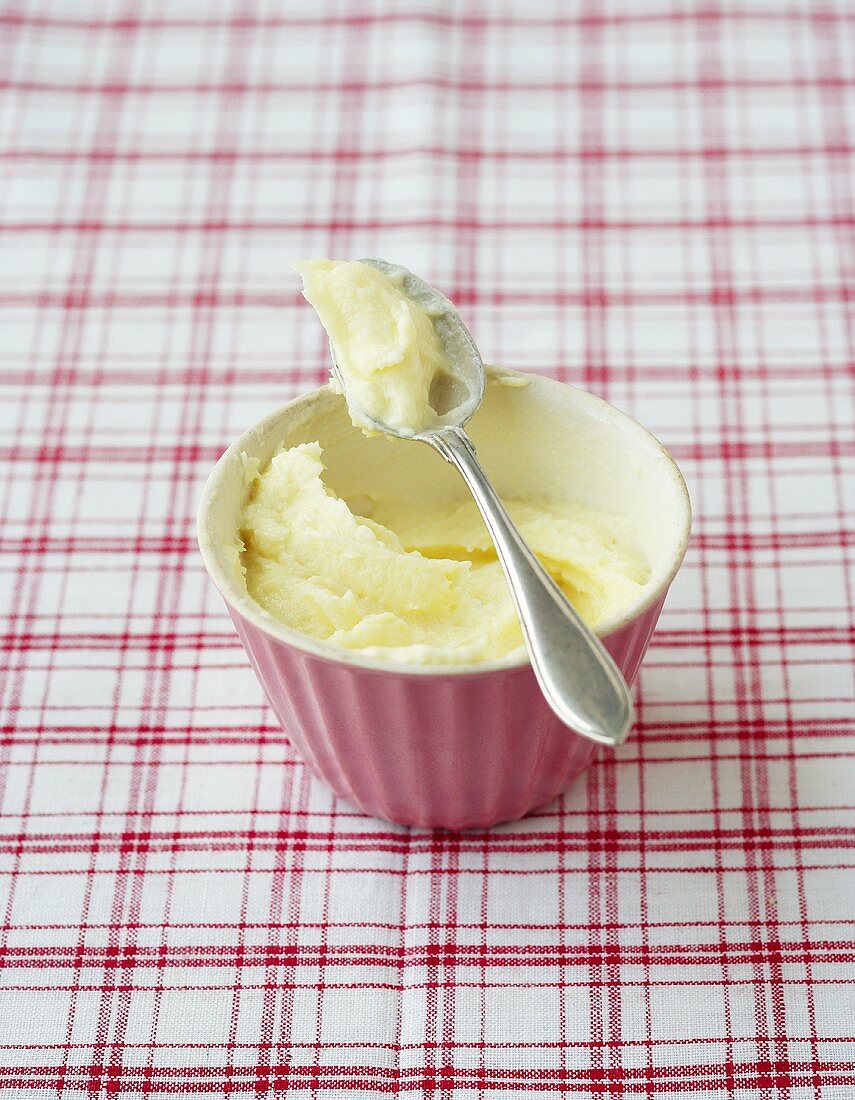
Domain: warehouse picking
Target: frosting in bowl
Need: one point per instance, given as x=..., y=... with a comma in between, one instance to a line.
x=393, y=575
x=412, y=584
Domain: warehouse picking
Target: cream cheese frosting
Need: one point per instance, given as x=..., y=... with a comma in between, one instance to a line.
x=385, y=344
x=402, y=581
x=412, y=585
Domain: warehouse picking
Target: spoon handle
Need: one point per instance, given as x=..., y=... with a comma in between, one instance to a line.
x=579, y=679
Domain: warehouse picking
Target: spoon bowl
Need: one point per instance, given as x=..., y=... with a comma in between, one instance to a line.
x=454, y=397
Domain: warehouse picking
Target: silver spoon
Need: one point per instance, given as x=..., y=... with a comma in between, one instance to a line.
x=577, y=676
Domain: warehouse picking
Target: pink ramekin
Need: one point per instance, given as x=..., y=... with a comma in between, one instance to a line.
x=441, y=746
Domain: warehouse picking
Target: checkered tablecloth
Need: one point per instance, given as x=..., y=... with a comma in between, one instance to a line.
x=652, y=200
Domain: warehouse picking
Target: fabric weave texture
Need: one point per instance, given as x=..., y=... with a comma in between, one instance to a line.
x=651, y=200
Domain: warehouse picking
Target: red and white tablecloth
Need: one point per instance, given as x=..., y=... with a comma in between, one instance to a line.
x=652, y=200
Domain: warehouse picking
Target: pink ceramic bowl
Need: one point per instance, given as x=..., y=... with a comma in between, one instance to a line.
x=437, y=746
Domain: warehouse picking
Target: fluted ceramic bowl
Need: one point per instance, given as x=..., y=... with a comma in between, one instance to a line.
x=458, y=746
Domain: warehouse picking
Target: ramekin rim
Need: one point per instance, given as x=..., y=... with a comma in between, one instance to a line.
x=247, y=608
